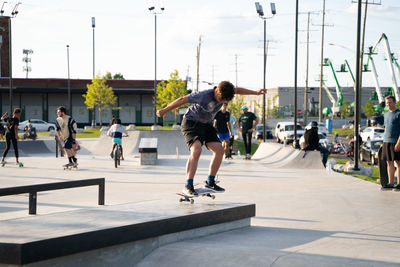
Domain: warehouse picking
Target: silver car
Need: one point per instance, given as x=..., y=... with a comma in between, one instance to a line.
x=41, y=126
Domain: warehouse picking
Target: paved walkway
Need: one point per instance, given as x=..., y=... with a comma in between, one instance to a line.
x=304, y=217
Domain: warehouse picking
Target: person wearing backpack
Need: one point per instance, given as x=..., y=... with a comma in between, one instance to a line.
x=66, y=134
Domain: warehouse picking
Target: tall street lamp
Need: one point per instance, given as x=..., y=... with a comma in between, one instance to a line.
x=14, y=13
x=260, y=12
x=155, y=10
x=69, y=85
x=93, y=74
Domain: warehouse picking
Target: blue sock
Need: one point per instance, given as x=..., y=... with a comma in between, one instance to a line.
x=189, y=182
x=210, y=179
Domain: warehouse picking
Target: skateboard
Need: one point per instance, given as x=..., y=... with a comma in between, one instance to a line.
x=383, y=175
x=203, y=192
x=68, y=167
x=20, y=164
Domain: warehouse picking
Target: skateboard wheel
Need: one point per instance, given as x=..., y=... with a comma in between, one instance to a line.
x=181, y=199
x=212, y=197
x=191, y=201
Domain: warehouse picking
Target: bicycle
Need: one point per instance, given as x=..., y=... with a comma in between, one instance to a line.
x=117, y=155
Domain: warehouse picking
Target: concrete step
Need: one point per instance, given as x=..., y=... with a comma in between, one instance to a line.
x=119, y=235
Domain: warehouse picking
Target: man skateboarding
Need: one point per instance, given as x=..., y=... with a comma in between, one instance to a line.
x=66, y=133
x=311, y=140
x=198, y=129
x=246, y=121
x=223, y=126
x=11, y=133
x=391, y=141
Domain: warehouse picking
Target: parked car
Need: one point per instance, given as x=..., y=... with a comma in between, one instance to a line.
x=372, y=133
x=41, y=126
x=321, y=128
x=258, y=133
x=369, y=151
x=376, y=120
x=284, y=132
x=323, y=140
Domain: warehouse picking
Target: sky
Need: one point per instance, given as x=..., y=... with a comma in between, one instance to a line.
x=124, y=39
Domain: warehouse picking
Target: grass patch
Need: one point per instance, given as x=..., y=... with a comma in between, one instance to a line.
x=148, y=128
x=89, y=133
x=375, y=174
x=343, y=132
x=242, y=150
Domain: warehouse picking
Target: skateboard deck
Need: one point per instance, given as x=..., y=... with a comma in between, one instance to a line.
x=68, y=167
x=383, y=175
x=202, y=191
x=20, y=164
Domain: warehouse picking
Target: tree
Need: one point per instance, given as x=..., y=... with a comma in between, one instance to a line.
x=168, y=91
x=236, y=104
x=99, y=95
x=369, y=109
x=116, y=76
x=345, y=109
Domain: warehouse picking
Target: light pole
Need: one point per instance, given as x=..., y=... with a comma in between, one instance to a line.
x=14, y=13
x=93, y=74
x=260, y=12
x=295, y=142
x=69, y=85
x=357, y=93
x=155, y=10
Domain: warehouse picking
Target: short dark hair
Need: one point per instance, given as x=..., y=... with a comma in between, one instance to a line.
x=62, y=109
x=17, y=111
x=391, y=97
x=118, y=121
x=226, y=90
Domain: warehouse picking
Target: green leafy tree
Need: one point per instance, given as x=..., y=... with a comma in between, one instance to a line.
x=99, y=95
x=236, y=104
x=345, y=109
x=116, y=76
x=168, y=91
x=369, y=109
x=275, y=112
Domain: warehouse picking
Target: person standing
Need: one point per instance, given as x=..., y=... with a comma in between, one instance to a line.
x=391, y=141
x=247, y=121
x=221, y=123
x=11, y=134
x=197, y=128
x=66, y=133
x=232, y=121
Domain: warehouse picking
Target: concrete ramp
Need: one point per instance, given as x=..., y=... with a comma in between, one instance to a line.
x=279, y=156
x=266, y=150
x=31, y=147
x=304, y=160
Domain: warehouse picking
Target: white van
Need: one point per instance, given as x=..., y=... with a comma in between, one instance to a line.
x=284, y=132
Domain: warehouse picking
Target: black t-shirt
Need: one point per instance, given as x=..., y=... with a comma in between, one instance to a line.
x=222, y=120
x=311, y=139
x=12, y=124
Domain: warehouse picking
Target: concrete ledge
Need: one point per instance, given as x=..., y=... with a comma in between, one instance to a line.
x=130, y=231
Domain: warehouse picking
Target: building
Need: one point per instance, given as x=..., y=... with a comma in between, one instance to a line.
x=283, y=97
x=39, y=99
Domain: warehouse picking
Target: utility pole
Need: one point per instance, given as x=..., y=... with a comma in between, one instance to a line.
x=198, y=64
x=236, y=70
x=307, y=60
x=27, y=60
x=321, y=64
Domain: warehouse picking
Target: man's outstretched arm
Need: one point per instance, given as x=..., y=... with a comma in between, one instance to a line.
x=244, y=91
x=173, y=105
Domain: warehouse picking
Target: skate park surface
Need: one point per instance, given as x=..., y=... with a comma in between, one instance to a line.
x=305, y=215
